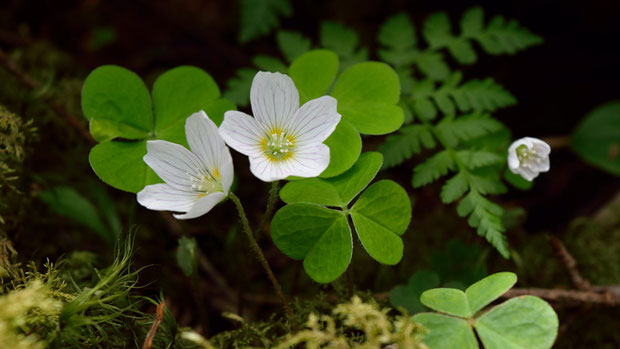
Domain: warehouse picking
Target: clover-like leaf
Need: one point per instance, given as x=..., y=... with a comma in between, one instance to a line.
x=485, y=291
x=367, y=95
x=319, y=236
x=335, y=191
x=521, y=322
x=116, y=103
x=313, y=73
x=447, y=300
x=345, y=146
x=381, y=215
x=446, y=332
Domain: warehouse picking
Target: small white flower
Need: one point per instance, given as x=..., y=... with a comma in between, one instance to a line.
x=282, y=139
x=528, y=157
x=196, y=180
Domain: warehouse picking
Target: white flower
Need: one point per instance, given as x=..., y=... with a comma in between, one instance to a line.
x=281, y=139
x=528, y=157
x=195, y=180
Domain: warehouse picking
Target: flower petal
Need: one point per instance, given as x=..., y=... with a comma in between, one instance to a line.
x=202, y=206
x=206, y=142
x=309, y=161
x=315, y=120
x=513, y=159
x=242, y=132
x=163, y=197
x=173, y=163
x=274, y=99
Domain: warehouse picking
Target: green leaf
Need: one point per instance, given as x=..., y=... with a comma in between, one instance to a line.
x=105, y=129
x=338, y=38
x=335, y=191
x=434, y=167
x=217, y=108
x=485, y=291
x=597, y=138
x=462, y=50
x=186, y=255
x=474, y=159
x=259, y=17
x=367, y=94
x=472, y=22
x=447, y=300
x=521, y=322
x=311, y=190
x=408, y=141
x=268, y=63
x=433, y=65
x=437, y=30
x=319, y=236
x=353, y=181
x=345, y=146
x=482, y=95
x=180, y=92
x=120, y=165
x=68, y=202
x=454, y=188
x=292, y=44
x=118, y=98
x=408, y=296
x=499, y=37
x=239, y=86
x=487, y=218
x=446, y=332
x=467, y=127
x=313, y=73
x=397, y=34
x=381, y=215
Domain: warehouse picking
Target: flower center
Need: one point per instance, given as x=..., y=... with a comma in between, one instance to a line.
x=206, y=183
x=524, y=153
x=278, y=145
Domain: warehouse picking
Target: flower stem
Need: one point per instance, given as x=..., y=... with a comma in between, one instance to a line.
x=261, y=257
x=271, y=204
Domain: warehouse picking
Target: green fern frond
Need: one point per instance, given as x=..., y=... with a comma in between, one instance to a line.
x=408, y=141
x=479, y=158
x=259, y=17
x=486, y=216
x=292, y=44
x=433, y=168
x=344, y=41
x=467, y=127
x=238, y=87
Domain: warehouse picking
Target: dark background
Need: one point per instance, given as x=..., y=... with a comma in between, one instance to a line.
x=576, y=69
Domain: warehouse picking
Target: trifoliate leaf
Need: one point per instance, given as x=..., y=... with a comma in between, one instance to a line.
x=447, y=300
x=381, y=215
x=367, y=95
x=292, y=44
x=485, y=291
x=408, y=141
x=313, y=73
x=259, y=17
x=446, y=332
x=521, y=322
x=434, y=167
x=319, y=236
x=345, y=146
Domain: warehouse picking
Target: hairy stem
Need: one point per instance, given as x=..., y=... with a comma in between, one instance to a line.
x=271, y=204
x=261, y=256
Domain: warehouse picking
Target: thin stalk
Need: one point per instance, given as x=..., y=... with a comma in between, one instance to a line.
x=271, y=204
x=261, y=257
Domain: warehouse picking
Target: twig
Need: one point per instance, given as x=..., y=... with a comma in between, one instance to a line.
x=569, y=263
x=557, y=142
x=33, y=84
x=600, y=296
x=159, y=317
